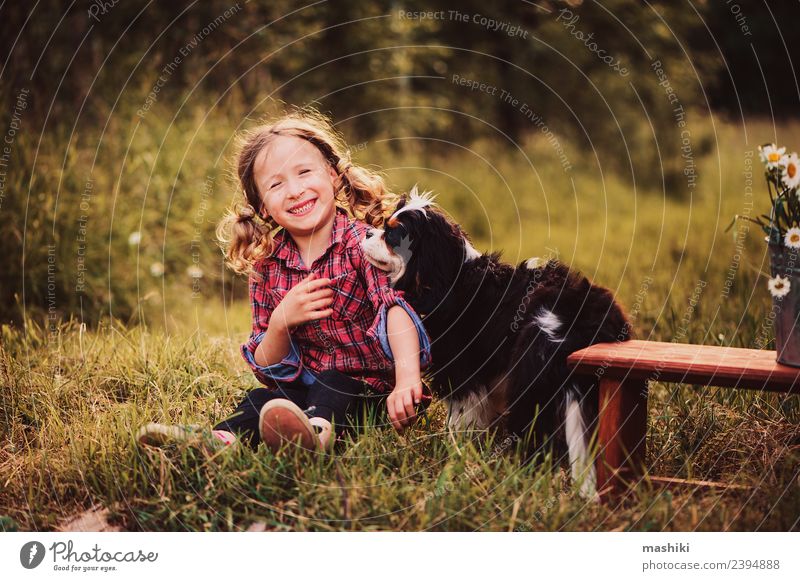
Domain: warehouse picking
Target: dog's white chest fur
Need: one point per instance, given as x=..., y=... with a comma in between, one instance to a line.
x=480, y=408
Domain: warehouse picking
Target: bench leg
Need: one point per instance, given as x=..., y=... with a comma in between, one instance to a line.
x=622, y=428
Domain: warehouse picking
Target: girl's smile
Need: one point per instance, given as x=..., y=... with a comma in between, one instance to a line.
x=296, y=184
x=303, y=207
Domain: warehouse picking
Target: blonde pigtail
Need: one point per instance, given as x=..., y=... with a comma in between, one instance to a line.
x=245, y=241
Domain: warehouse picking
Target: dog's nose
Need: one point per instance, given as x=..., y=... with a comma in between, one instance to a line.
x=369, y=234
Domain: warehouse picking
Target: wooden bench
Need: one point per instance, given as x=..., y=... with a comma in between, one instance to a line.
x=624, y=370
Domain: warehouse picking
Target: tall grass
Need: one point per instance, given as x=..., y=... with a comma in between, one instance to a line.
x=70, y=412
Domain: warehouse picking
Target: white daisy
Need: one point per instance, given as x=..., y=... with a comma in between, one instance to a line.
x=195, y=271
x=157, y=269
x=779, y=286
x=791, y=170
x=792, y=238
x=134, y=239
x=771, y=155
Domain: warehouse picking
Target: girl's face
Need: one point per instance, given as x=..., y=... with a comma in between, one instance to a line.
x=296, y=185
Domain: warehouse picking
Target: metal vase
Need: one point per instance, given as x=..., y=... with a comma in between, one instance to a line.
x=786, y=263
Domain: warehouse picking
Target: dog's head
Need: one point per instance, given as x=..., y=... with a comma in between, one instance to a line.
x=421, y=249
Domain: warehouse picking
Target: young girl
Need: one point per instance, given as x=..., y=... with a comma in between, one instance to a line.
x=328, y=330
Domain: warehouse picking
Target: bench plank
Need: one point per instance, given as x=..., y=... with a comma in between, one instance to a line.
x=682, y=363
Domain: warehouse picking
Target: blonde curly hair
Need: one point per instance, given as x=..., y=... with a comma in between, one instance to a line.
x=246, y=233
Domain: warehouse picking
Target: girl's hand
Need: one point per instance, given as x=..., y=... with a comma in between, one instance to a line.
x=307, y=301
x=402, y=401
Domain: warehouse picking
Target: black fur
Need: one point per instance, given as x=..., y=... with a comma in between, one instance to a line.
x=481, y=317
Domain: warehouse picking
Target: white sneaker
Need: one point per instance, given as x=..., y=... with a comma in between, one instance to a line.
x=157, y=435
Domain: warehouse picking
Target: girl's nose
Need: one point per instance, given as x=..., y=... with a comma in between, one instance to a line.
x=294, y=188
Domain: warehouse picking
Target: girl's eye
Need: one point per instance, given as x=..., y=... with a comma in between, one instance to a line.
x=275, y=185
x=302, y=171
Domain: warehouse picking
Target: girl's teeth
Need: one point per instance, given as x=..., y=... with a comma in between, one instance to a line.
x=303, y=208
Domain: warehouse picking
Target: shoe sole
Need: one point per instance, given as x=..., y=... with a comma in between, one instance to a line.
x=157, y=435
x=280, y=421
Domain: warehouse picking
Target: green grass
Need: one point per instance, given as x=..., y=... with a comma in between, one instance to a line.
x=70, y=414
x=71, y=399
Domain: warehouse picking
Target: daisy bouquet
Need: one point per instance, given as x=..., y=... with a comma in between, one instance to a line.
x=782, y=225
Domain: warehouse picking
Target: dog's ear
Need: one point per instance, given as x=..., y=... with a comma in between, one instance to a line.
x=436, y=259
x=425, y=303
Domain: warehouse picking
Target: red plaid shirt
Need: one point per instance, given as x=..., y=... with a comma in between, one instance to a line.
x=353, y=340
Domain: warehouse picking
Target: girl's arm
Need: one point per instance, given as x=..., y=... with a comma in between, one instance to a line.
x=275, y=345
x=404, y=341
x=308, y=300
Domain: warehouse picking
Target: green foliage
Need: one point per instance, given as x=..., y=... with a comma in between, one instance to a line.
x=145, y=144
x=74, y=215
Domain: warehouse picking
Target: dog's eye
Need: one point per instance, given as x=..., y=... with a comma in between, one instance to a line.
x=394, y=236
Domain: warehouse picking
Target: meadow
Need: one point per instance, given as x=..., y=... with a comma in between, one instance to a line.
x=73, y=395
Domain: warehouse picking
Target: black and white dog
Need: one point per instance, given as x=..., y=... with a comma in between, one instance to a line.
x=500, y=335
